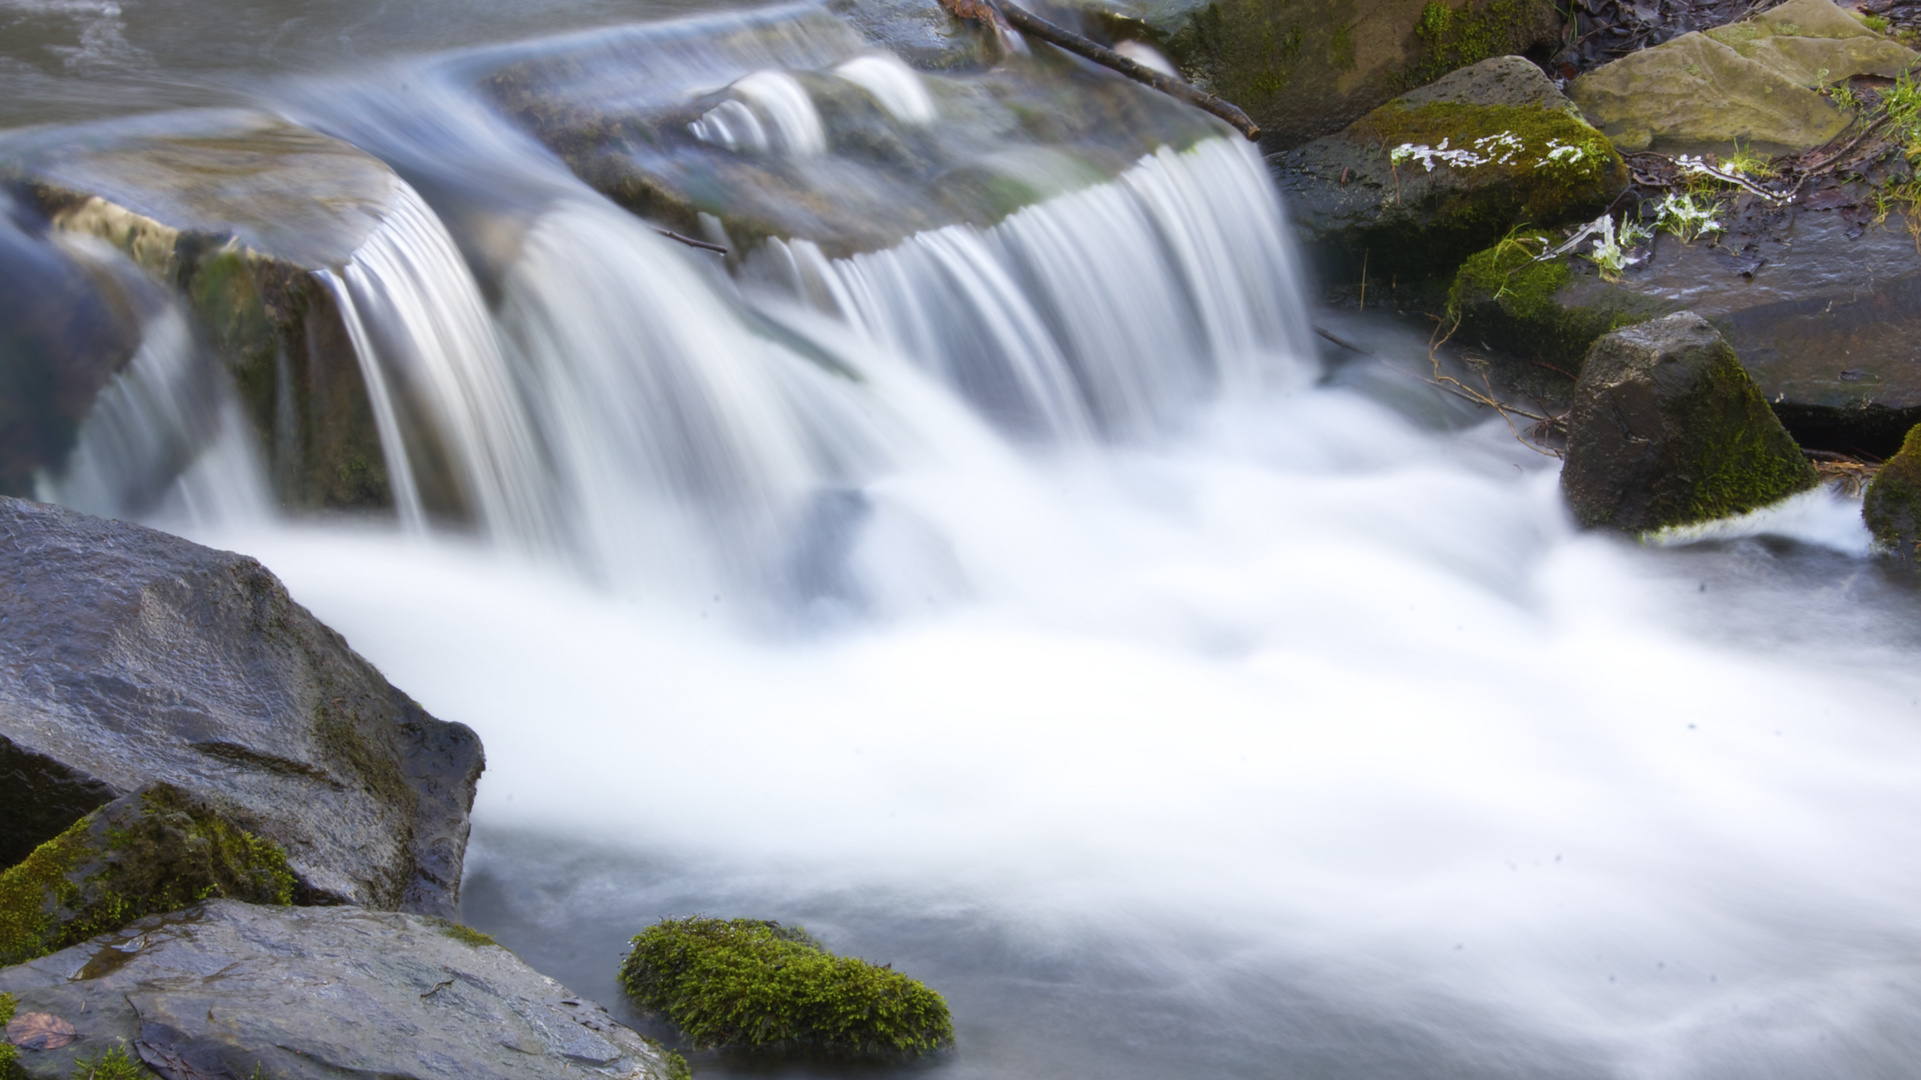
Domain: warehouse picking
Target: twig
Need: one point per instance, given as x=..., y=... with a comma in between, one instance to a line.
x=690, y=241
x=1342, y=342
x=1029, y=23
x=1461, y=390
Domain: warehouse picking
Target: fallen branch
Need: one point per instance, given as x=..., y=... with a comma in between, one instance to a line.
x=690, y=241
x=1029, y=23
x=1543, y=426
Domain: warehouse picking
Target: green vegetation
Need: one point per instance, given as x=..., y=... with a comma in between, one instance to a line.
x=467, y=934
x=748, y=983
x=1687, y=216
x=156, y=851
x=1746, y=462
x=677, y=1067
x=1511, y=300
x=114, y=1064
x=1453, y=39
x=1892, y=505
x=9, y=1068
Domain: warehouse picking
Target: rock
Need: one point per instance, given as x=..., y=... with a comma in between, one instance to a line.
x=237, y=211
x=132, y=657
x=1667, y=429
x=1892, y=505
x=752, y=984
x=812, y=136
x=226, y=989
x=1418, y=184
x=157, y=850
x=922, y=34
x=1307, y=68
x=1753, y=82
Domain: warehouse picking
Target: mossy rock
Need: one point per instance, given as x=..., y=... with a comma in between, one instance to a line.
x=1892, y=507
x=1547, y=312
x=1414, y=187
x=753, y=984
x=156, y=850
x=9, y=1067
x=1667, y=429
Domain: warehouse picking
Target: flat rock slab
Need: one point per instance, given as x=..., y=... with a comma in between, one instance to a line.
x=130, y=656
x=224, y=988
x=280, y=190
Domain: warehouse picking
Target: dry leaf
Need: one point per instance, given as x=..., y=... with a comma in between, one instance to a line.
x=40, y=1031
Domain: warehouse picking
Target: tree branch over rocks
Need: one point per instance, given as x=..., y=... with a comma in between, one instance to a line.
x=995, y=15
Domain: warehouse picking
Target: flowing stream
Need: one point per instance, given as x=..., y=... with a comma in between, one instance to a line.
x=1032, y=605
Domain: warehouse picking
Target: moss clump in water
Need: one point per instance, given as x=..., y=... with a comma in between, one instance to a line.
x=157, y=850
x=1892, y=506
x=748, y=983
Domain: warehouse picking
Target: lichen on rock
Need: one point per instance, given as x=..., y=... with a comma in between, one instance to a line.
x=750, y=983
x=1667, y=429
x=154, y=851
x=1892, y=505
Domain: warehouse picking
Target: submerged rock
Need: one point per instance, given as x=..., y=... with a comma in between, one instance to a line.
x=132, y=657
x=1892, y=505
x=750, y=984
x=226, y=989
x=1305, y=69
x=1418, y=184
x=236, y=211
x=1667, y=429
x=1755, y=82
x=156, y=850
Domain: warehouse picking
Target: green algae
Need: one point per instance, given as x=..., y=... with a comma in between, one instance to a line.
x=748, y=983
x=156, y=851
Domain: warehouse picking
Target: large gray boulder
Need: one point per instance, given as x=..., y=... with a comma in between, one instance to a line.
x=232, y=990
x=131, y=657
x=1667, y=429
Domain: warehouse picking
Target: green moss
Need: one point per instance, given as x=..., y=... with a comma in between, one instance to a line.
x=9, y=1068
x=467, y=934
x=677, y=1067
x=1453, y=38
x=747, y=983
x=1504, y=299
x=1739, y=460
x=1892, y=505
x=157, y=851
x=114, y=1064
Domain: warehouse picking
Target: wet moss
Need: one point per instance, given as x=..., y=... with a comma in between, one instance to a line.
x=1503, y=298
x=749, y=983
x=9, y=1067
x=1892, y=505
x=158, y=850
x=114, y=1064
x=466, y=934
x=1745, y=463
x=1451, y=38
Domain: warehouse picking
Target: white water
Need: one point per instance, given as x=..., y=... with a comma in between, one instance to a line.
x=1267, y=700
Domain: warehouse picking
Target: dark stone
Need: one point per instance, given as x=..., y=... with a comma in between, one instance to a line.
x=129, y=657
x=1892, y=506
x=1362, y=212
x=39, y=797
x=231, y=990
x=1667, y=429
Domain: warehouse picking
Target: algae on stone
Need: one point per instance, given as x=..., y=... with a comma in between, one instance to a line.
x=1667, y=429
x=156, y=850
x=749, y=983
x=1892, y=505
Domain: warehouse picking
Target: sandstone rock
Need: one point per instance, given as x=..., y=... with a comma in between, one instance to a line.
x=1892, y=505
x=132, y=657
x=1415, y=186
x=236, y=211
x=226, y=989
x=1306, y=69
x=1667, y=429
x=1752, y=82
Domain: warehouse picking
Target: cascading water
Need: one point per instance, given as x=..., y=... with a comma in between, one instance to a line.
x=1175, y=712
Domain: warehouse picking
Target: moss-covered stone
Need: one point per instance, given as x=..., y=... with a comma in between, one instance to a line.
x=467, y=934
x=1667, y=429
x=1419, y=184
x=1892, y=506
x=748, y=983
x=9, y=1068
x=1505, y=299
x=156, y=850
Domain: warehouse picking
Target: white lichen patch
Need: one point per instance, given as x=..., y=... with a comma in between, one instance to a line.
x=1501, y=148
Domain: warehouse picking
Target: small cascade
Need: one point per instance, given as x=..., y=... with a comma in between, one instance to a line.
x=1114, y=309
x=896, y=87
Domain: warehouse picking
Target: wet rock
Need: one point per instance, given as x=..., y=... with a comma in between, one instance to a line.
x=922, y=34
x=154, y=851
x=1892, y=505
x=1753, y=82
x=1667, y=429
x=812, y=136
x=132, y=657
x=1306, y=69
x=236, y=211
x=1417, y=185
x=227, y=989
